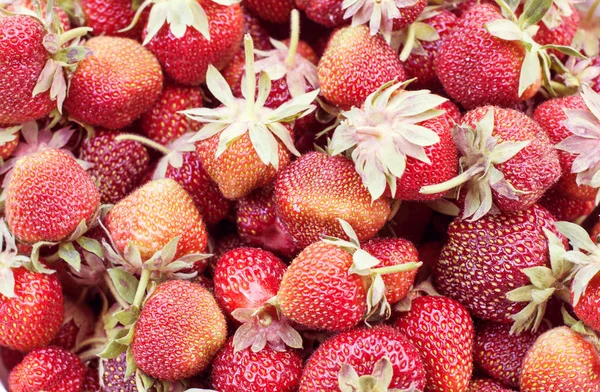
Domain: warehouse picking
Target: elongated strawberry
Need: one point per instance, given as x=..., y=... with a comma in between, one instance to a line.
x=381, y=354
x=108, y=17
x=175, y=350
x=129, y=71
x=276, y=11
x=387, y=141
x=486, y=385
x=50, y=369
x=354, y=65
x=507, y=162
x=238, y=145
x=442, y=331
x=276, y=371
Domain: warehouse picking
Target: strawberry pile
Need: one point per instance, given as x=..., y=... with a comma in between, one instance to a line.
x=300, y=195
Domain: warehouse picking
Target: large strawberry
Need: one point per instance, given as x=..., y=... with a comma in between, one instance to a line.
x=379, y=356
x=399, y=142
x=442, y=331
x=238, y=145
x=276, y=11
x=50, y=369
x=317, y=189
x=179, y=331
x=354, y=65
x=119, y=65
x=507, y=162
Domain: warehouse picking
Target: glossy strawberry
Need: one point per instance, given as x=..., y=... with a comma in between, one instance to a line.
x=108, y=17
x=361, y=349
x=50, y=369
x=565, y=208
x=487, y=385
x=170, y=350
x=559, y=26
x=9, y=140
x=119, y=65
x=586, y=308
x=69, y=193
x=275, y=11
x=275, y=371
x=326, y=12
x=441, y=330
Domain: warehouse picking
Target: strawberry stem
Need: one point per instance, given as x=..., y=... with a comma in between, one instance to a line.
x=590, y=15
x=454, y=182
x=392, y=269
x=145, y=141
x=409, y=43
x=250, y=76
x=141, y=289
x=74, y=33
x=294, y=39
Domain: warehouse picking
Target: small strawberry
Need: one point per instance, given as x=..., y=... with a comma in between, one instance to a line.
x=326, y=12
x=49, y=369
x=441, y=330
x=354, y=65
x=275, y=11
x=108, y=17
x=380, y=356
x=507, y=162
x=117, y=165
x=486, y=385
x=126, y=69
x=179, y=331
x=566, y=208
x=267, y=370
x=317, y=189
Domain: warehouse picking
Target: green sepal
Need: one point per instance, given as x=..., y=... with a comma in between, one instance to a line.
x=125, y=283
x=127, y=339
x=131, y=365
x=533, y=12
x=91, y=245
x=565, y=50
x=68, y=253
x=36, y=265
x=113, y=350
x=72, y=55
x=128, y=316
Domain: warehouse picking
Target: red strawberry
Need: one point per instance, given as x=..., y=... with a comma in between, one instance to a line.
x=253, y=26
x=441, y=330
x=566, y=208
x=179, y=331
x=508, y=166
x=10, y=358
x=112, y=372
x=50, y=369
x=222, y=246
x=69, y=193
x=162, y=123
x=545, y=369
x=275, y=11
x=9, y=140
x=361, y=352
x=558, y=26
x=316, y=189
x=326, y=12
x=109, y=17
x=23, y=6
x=586, y=308
x=267, y=370
x=117, y=165
x=91, y=383
x=499, y=353
x=486, y=385
x=119, y=65
x=354, y=65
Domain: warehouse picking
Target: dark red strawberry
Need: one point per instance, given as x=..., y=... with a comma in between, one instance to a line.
x=112, y=373
x=275, y=11
x=91, y=383
x=108, y=17
x=326, y=12
x=10, y=358
x=565, y=208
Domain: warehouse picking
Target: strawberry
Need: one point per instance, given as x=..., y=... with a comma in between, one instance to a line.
x=50, y=369
x=326, y=12
x=499, y=353
x=70, y=197
x=254, y=26
x=179, y=331
x=559, y=25
x=10, y=358
x=441, y=330
x=117, y=165
x=316, y=189
x=275, y=11
x=382, y=352
x=566, y=208
x=238, y=147
x=259, y=225
x=595, y=232
x=163, y=123
x=112, y=372
x=223, y=245
x=266, y=370
x=152, y=216
x=9, y=140
x=399, y=142
x=542, y=370
x=486, y=385
x=109, y=17
x=586, y=307
x=507, y=162
x=91, y=383
x=354, y=65
x=126, y=69
x=23, y=6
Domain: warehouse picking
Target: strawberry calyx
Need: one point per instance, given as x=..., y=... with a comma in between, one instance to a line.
x=578, y=326
x=8, y=135
x=480, y=152
x=384, y=133
x=585, y=141
x=558, y=10
x=545, y=283
x=364, y=265
x=587, y=37
x=410, y=38
x=284, y=61
x=572, y=75
x=420, y=290
x=379, y=13
x=238, y=116
x=378, y=381
x=262, y=326
x=9, y=259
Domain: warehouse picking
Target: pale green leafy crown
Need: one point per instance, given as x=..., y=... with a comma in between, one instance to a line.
x=410, y=38
x=378, y=381
x=9, y=259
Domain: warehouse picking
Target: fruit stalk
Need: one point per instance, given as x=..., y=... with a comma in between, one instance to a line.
x=74, y=33
x=145, y=141
x=250, y=76
x=454, y=182
x=590, y=15
x=396, y=268
x=141, y=289
x=409, y=43
x=294, y=39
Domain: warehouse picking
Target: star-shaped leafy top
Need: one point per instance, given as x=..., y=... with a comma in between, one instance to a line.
x=585, y=141
x=385, y=132
x=238, y=116
x=378, y=381
x=410, y=38
x=572, y=75
x=9, y=259
x=480, y=152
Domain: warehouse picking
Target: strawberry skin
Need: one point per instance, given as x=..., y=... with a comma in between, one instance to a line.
x=107, y=17
x=486, y=385
x=123, y=67
x=587, y=308
x=355, y=64
x=49, y=369
x=153, y=215
x=179, y=331
x=69, y=195
x=326, y=12
x=113, y=375
x=361, y=348
x=561, y=360
x=562, y=34
x=566, y=208
x=266, y=370
x=32, y=318
x=118, y=165
x=275, y=11
x=22, y=58
x=477, y=68
x=316, y=189
x=442, y=331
